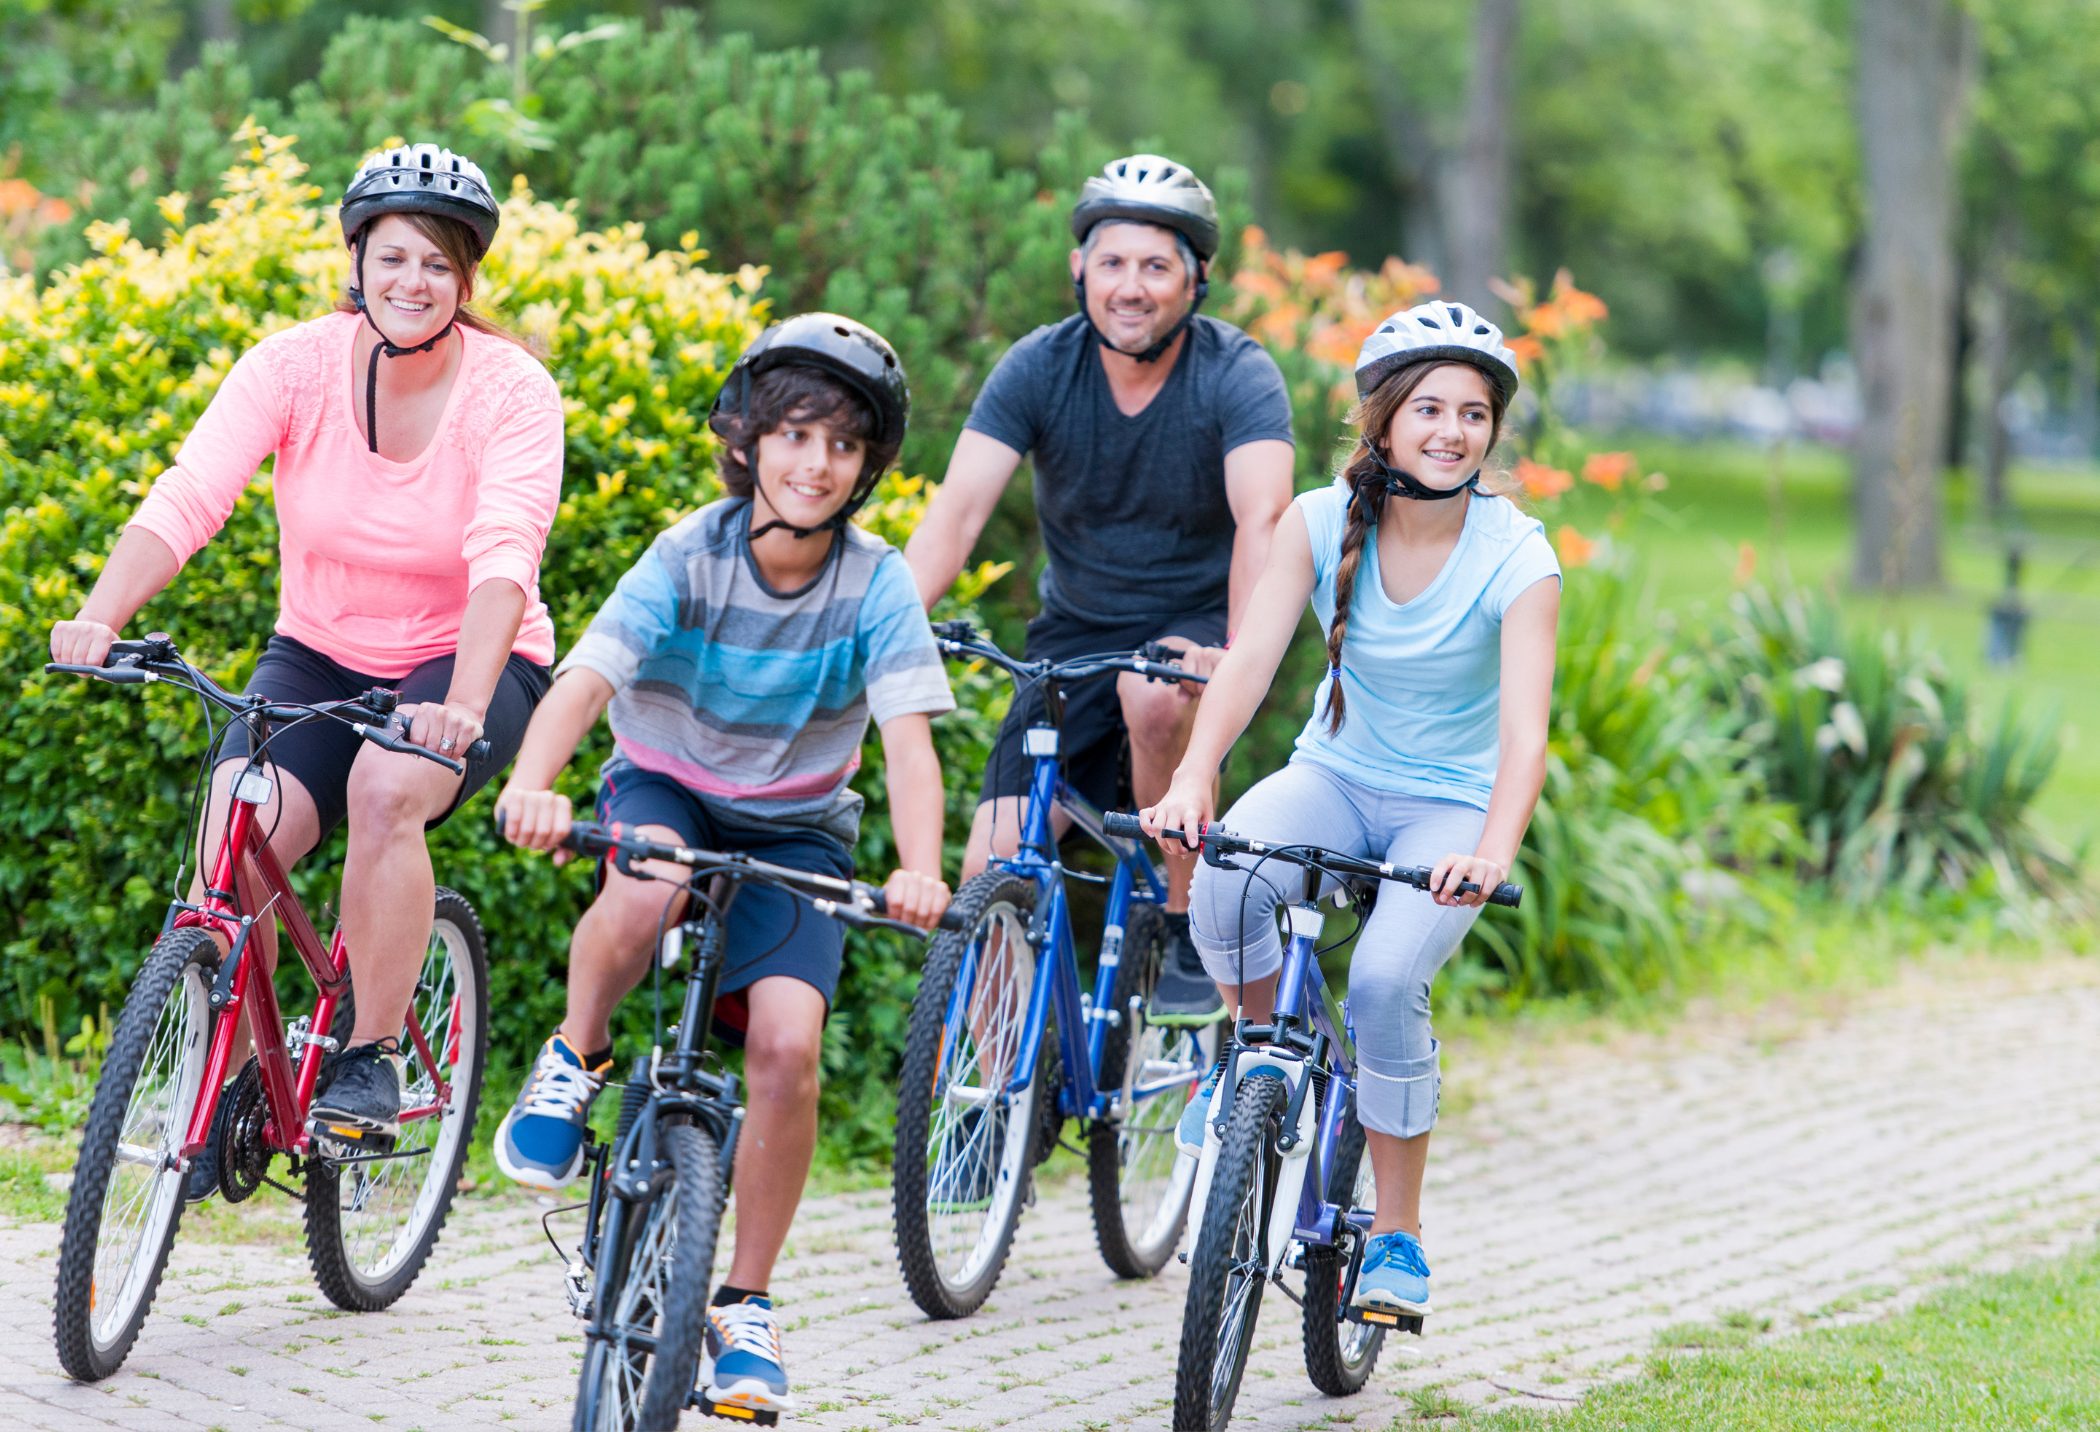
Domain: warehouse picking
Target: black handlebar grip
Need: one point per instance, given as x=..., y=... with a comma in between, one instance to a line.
x=479, y=751
x=1119, y=823
x=1507, y=894
x=950, y=919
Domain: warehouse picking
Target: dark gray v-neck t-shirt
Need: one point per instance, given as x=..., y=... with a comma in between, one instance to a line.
x=1133, y=509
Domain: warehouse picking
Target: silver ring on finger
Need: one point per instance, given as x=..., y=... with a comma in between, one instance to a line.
x=445, y=747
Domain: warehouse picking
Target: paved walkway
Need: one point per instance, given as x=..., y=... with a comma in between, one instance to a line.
x=1797, y=1165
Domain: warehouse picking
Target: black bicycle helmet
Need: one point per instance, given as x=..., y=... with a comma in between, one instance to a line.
x=412, y=179
x=853, y=353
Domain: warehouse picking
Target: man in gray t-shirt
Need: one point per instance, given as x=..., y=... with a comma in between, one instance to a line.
x=1163, y=457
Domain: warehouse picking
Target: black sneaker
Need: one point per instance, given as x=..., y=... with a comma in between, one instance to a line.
x=361, y=1107
x=203, y=1179
x=1185, y=994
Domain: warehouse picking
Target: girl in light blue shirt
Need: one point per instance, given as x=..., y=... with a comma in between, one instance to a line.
x=1427, y=744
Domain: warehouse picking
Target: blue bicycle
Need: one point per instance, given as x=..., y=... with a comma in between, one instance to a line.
x=986, y=1089
x=1283, y=1181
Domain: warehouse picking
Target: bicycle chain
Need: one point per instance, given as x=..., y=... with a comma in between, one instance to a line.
x=244, y=1157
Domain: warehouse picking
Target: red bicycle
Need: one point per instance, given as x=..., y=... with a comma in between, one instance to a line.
x=164, y=1098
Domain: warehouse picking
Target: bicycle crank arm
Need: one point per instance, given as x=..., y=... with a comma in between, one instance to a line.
x=729, y=1411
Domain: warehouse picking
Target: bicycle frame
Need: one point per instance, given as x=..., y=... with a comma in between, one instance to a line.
x=1082, y=1020
x=287, y=1091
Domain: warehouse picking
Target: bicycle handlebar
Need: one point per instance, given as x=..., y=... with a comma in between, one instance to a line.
x=850, y=902
x=134, y=663
x=1151, y=661
x=1216, y=843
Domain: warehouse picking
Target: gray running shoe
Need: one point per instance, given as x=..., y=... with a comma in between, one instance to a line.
x=1185, y=994
x=361, y=1108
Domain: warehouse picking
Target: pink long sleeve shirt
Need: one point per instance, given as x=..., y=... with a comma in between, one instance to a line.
x=378, y=558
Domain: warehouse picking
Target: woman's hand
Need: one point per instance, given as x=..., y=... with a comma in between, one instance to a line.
x=914, y=898
x=81, y=642
x=1186, y=807
x=1454, y=869
x=447, y=728
x=537, y=820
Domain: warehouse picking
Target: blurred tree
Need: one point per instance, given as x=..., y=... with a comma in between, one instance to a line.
x=61, y=55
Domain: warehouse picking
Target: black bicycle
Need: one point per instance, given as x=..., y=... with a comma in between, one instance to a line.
x=643, y=1273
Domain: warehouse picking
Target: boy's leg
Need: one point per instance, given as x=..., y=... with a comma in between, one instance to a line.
x=781, y=1052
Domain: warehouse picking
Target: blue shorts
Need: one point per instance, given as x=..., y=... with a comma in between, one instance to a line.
x=770, y=931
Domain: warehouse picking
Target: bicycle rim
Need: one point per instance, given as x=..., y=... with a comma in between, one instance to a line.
x=1340, y=1354
x=1243, y=1286
x=1155, y=1178
x=1227, y=1273
x=622, y=1366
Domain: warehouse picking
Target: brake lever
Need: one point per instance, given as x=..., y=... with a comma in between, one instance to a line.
x=115, y=675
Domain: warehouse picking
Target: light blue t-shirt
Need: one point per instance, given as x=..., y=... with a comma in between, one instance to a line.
x=1422, y=682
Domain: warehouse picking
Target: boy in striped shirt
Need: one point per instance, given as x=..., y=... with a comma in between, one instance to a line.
x=740, y=661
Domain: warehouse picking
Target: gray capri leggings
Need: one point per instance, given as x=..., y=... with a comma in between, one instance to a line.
x=1406, y=941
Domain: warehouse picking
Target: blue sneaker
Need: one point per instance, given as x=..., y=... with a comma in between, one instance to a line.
x=742, y=1365
x=1395, y=1276
x=1188, y=1134
x=540, y=1142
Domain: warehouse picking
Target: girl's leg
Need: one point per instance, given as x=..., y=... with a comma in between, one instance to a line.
x=1404, y=944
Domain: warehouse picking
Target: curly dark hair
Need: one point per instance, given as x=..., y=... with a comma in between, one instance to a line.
x=797, y=392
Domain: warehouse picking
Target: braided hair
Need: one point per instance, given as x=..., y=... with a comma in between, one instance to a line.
x=1365, y=474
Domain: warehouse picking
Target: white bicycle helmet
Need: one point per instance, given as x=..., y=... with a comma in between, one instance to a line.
x=1150, y=190
x=421, y=179
x=1437, y=329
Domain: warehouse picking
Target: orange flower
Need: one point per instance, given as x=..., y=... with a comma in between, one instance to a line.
x=1540, y=481
x=1580, y=309
x=1608, y=469
x=1339, y=343
x=1279, y=326
x=1575, y=549
x=1745, y=564
x=1527, y=350
x=1252, y=237
x=1262, y=284
x=1406, y=282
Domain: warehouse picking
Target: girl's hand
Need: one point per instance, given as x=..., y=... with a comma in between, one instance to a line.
x=1186, y=807
x=81, y=642
x=447, y=728
x=914, y=898
x=1453, y=869
x=537, y=820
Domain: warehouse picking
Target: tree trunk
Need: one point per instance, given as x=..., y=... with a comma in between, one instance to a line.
x=2085, y=384
x=1913, y=64
x=1412, y=158
x=498, y=23
x=216, y=20
x=1992, y=319
x=1476, y=193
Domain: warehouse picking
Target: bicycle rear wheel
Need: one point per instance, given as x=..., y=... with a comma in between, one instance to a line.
x=1140, y=1180
x=371, y=1225
x=127, y=1187
x=642, y=1375
x=1226, y=1276
x=965, y=1139
x=1339, y=1355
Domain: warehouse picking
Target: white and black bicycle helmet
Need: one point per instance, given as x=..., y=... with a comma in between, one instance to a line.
x=853, y=353
x=1147, y=189
x=1438, y=329
x=411, y=179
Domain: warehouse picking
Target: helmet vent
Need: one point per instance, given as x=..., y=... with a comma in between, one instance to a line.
x=840, y=331
x=1457, y=317
x=1430, y=323
x=1480, y=328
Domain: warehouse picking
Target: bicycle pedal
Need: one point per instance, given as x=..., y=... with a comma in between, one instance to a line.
x=730, y=1411
x=1380, y=1318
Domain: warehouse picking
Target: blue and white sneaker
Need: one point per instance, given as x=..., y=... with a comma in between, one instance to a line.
x=540, y=1142
x=741, y=1366
x=1188, y=1134
x=1395, y=1276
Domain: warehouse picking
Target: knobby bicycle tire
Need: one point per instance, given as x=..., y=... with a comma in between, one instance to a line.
x=1339, y=1355
x=1225, y=1281
x=370, y=1226
x=152, y=1079
x=1140, y=1181
x=938, y=1152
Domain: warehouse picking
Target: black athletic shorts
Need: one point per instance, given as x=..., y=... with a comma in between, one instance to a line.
x=320, y=753
x=770, y=932
x=1092, y=741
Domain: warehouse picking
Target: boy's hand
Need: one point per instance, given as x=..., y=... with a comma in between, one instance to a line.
x=914, y=898
x=537, y=820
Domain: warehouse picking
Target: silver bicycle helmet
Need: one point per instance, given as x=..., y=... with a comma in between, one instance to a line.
x=1150, y=190
x=853, y=353
x=411, y=179
x=1437, y=329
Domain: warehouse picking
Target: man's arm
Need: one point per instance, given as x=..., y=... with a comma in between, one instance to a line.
x=1258, y=487
x=977, y=473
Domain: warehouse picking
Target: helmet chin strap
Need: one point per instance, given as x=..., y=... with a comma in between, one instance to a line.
x=1400, y=483
x=385, y=345
x=1152, y=354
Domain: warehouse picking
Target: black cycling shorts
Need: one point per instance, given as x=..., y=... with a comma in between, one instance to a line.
x=1093, y=739
x=320, y=753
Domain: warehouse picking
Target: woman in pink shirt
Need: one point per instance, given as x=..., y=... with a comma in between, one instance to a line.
x=409, y=555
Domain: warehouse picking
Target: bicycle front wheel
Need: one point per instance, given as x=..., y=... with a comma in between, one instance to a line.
x=371, y=1225
x=128, y=1185
x=1339, y=1355
x=966, y=1137
x=1140, y=1180
x=640, y=1373
x=1227, y=1273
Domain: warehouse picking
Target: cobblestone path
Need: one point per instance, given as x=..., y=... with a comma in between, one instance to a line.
x=1583, y=1196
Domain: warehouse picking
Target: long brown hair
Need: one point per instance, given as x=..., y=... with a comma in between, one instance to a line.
x=461, y=249
x=1364, y=472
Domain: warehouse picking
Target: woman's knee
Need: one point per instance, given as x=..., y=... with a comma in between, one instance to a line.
x=387, y=791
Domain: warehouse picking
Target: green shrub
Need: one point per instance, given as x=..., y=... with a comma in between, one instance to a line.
x=103, y=372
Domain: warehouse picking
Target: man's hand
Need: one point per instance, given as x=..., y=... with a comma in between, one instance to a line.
x=1453, y=869
x=914, y=898
x=81, y=642
x=537, y=820
x=1199, y=661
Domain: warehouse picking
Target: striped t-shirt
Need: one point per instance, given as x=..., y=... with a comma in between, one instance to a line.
x=757, y=700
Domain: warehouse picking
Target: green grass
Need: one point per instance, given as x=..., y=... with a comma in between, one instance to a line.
x=1792, y=507
x=2012, y=1350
